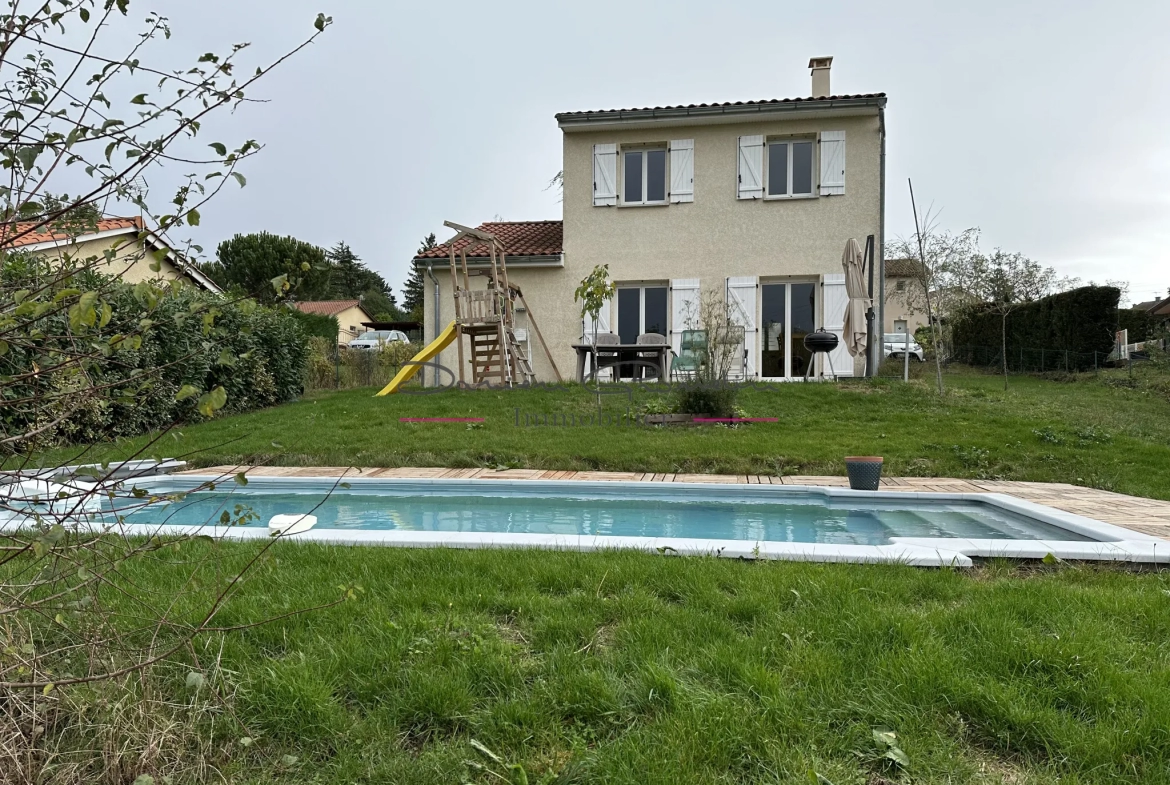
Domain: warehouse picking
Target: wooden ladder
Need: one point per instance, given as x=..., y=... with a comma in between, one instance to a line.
x=487, y=359
x=523, y=366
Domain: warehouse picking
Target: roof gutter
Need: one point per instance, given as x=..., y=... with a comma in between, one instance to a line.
x=567, y=120
x=535, y=260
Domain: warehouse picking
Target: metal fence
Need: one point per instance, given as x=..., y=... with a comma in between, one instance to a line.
x=1149, y=356
x=333, y=367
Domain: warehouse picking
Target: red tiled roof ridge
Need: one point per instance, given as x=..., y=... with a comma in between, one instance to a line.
x=519, y=238
x=327, y=307
x=844, y=97
x=48, y=235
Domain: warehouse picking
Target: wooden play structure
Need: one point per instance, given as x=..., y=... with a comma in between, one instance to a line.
x=487, y=317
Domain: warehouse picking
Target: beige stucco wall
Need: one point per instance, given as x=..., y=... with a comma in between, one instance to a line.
x=899, y=307
x=131, y=261
x=544, y=291
x=719, y=235
x=349, y=323
x=714, y=237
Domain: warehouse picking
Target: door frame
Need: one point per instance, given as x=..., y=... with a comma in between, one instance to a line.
x=818, y=306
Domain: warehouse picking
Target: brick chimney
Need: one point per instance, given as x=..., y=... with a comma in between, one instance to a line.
x=820, y=76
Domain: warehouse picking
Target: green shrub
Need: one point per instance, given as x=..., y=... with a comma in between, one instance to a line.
x=317, y=324
x=1139, y=323
x=188, y=337
x=710, y=399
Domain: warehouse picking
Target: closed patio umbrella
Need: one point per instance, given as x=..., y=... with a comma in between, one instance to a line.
x=854, y=333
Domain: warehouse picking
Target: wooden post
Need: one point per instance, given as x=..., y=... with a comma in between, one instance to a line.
x=454, y=281
x=459, y=343
x=463, y=260
x=543, y=345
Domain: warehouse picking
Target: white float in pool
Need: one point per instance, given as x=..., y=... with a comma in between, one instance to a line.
x=284, y=525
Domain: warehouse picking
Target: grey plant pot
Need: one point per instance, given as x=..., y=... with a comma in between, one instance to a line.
x=865, y=472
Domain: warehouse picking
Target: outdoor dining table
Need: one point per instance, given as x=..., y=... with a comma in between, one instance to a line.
x=661, y=354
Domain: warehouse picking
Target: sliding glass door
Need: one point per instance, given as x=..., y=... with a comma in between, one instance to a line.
x=787, y=314
x=641, y=310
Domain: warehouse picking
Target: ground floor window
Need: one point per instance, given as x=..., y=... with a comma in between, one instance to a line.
x=640, y=310
x=787, y=314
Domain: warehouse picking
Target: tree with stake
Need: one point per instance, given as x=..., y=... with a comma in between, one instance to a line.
x=938, y=277
x=1003, y=282
x=594, y=293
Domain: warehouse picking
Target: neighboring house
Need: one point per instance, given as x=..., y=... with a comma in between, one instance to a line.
x=134, y=249
x=350, y=315
x=1159, y=309
x=904, y=302
x=751, y=201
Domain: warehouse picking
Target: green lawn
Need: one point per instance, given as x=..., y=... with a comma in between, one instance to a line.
x=1085, y=432
x=636, y=668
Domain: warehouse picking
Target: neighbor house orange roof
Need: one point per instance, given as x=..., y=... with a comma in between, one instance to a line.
x=327, y=307
x=519, y=238
x=43, y=234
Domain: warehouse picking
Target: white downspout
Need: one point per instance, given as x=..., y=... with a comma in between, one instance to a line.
x=438, y=321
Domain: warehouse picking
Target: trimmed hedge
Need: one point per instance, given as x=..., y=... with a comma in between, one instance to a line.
x=1081, y=321
x=1140, y=323
x=257, y=354
x=317, y=325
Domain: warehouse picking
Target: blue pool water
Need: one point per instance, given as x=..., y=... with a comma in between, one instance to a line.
x=716, y=514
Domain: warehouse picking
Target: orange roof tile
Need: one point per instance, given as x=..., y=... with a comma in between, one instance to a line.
x=327, y=307
x=41, y=234
x=519, y=238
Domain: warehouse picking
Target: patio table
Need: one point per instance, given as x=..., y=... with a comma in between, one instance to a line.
x=587, y=350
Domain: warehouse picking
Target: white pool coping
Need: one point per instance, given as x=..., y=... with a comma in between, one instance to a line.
x=1111, y=543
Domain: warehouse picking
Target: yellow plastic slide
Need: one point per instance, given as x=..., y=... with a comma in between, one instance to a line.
x=410, y=369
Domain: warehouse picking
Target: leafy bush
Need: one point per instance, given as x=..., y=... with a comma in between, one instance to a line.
x=1139, y=322
x=710, y=399
x=182, y=338
x=317, y=324
x=1081, y=321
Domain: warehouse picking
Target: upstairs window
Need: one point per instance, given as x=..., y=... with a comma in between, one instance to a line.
x=790, y=168
x=644, y=176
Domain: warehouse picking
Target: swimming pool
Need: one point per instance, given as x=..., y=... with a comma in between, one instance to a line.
x=798, y=522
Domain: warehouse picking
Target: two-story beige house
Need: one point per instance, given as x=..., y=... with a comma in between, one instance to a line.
x=751, y=201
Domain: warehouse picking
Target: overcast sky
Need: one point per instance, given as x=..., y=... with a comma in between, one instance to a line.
x=1043, y=123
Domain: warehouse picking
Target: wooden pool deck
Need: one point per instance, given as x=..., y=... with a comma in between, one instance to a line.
x=1149, y=516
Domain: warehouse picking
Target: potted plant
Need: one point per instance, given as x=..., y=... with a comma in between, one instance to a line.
x=865, y=472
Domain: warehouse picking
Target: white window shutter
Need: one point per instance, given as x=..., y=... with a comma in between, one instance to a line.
x=602, y=323
x=834, y=301
x=741, y=307
x=832, y=163
x=682, y=170
x=751, y=167
x=604, y=175
x=684, y=309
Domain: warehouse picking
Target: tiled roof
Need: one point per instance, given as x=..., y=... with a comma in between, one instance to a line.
x=728, y=105
x=45, y=234
x=327, y=307
x=519, y=238
x=902, y=268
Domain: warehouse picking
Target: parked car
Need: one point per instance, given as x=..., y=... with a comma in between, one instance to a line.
x=376, y=339
x=895, y=346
